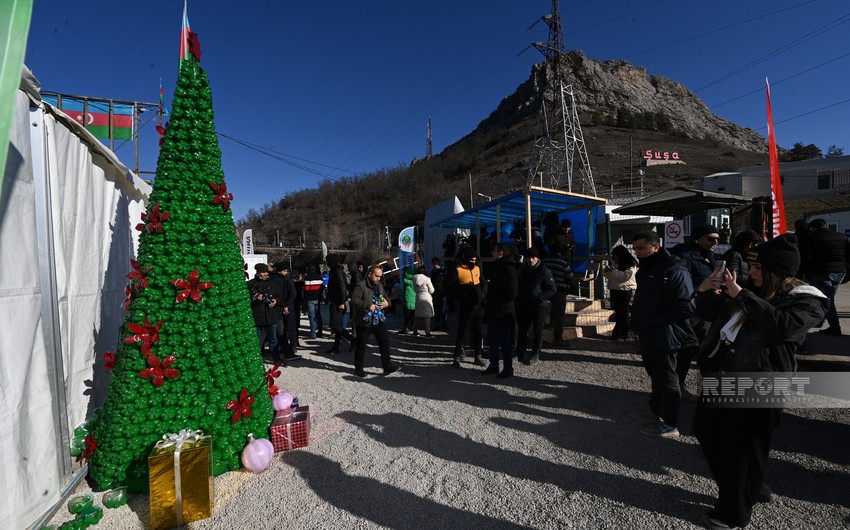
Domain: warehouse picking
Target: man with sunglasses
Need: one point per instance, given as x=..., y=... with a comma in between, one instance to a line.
x=699, y=259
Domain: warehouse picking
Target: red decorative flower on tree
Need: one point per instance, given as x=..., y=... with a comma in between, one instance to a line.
x=221, y=195
x=91, y=447
x=159, y=371
x=128, y=298
x=191, y=288
x=161, y=131
x=110, y=360
x=154, y=220
x=242, y=406
x=272, y=373
x=138, y=276
x=145, y=333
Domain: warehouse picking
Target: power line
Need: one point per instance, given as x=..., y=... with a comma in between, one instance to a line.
x=796, y=42
x=798, y=74
x=717, y=30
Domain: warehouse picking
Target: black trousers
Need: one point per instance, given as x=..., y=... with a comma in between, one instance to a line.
x=530, y=317
x=557, y=312
x=736, y=443
x=471, y=317
x=383, y=338
x=620, y=304
x=288, y=333
x=665, y=397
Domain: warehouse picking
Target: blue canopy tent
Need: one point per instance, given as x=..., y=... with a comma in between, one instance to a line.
x=533, y=203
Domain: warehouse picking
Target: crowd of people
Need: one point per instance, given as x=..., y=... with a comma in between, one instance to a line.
x=747, y=310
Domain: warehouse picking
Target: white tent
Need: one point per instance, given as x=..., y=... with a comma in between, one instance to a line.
x=68, y=208
x=436, y=235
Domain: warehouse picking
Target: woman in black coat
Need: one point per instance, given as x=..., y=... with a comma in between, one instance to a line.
x=754, y=329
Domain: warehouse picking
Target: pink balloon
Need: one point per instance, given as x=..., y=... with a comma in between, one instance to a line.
x=282, y=401
x=257, y=455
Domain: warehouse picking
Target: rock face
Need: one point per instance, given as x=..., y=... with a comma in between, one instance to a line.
x=602, y=90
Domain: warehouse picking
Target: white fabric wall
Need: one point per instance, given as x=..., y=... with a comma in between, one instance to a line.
x=84, y=240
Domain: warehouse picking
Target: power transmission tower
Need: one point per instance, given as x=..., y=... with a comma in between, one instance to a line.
x=429, y=148
x=557, y=135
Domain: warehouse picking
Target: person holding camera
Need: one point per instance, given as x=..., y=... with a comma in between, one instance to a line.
x=265, y=296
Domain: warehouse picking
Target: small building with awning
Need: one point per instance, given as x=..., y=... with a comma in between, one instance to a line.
x=520, y=207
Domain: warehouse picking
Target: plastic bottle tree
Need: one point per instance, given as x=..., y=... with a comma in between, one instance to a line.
x=189, y=358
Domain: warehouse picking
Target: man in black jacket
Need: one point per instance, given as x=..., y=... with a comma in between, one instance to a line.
x=438, y=277
x=660, y=313
x=536, y=286
x=564, y=277
x=339, y=307
x=828, y=253
x=265, y=295
x=287, y=325
x=500, y=313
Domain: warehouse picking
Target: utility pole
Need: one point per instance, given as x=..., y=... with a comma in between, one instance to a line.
x=558, y=137
x=471, y=199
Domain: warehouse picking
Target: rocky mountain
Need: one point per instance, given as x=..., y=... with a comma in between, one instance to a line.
x=623, y=111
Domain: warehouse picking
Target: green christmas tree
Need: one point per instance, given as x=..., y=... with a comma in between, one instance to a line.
x=189, y=358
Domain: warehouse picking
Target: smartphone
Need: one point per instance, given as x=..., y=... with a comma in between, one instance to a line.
x=719, y=268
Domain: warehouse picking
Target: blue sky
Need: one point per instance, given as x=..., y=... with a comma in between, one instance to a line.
x=344, y=88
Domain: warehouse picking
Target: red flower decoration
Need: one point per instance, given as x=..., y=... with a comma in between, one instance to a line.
x=159, y=371
x=161, y=131
x=110, y=360
x=273, y=390
x=191, y=288
x=242, y=406
x=139, y=275
x=154, y=220
x=221, y=195
x=91, y=447
x=273, y=372
x=128, y=293
x=145, y=333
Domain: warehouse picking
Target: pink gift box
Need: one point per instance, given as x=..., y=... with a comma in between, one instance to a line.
x=291, y=430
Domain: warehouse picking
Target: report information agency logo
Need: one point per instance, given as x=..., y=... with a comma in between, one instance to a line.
x=776, y=390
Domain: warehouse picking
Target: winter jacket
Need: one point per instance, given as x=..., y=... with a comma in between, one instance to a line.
x=561, y=273
x=409, y=293
x=735, y=262
x=502, y=290
x=338, y=285
x=770, y=334
x=698, y=261
x=362, y=297
x=621, y=280
x=423, y=288
x=662, y=303
x=313, y=284
x=828, y=252
x=536, y=286
x=270, y=290
x=464, y=284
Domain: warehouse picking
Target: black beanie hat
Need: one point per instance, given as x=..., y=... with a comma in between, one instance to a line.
x=261, y=267
x=703, y=229
x=779, y=255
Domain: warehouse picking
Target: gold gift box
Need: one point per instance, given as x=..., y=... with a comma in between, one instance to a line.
x=196, y=482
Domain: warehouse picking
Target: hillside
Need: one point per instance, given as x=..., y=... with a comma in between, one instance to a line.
x=623, y=110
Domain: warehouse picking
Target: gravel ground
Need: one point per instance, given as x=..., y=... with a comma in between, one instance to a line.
x=552, y=447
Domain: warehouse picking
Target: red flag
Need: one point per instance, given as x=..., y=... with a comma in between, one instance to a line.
x=189, y=44
x=778, y=215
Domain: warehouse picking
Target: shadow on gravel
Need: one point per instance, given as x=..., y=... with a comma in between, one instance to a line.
x=826, y=440
x=380, y=503
x=396, y=430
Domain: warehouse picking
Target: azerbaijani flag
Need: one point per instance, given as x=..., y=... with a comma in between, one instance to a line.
x=190, y=47
x=96, y=119
x=778, y=210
